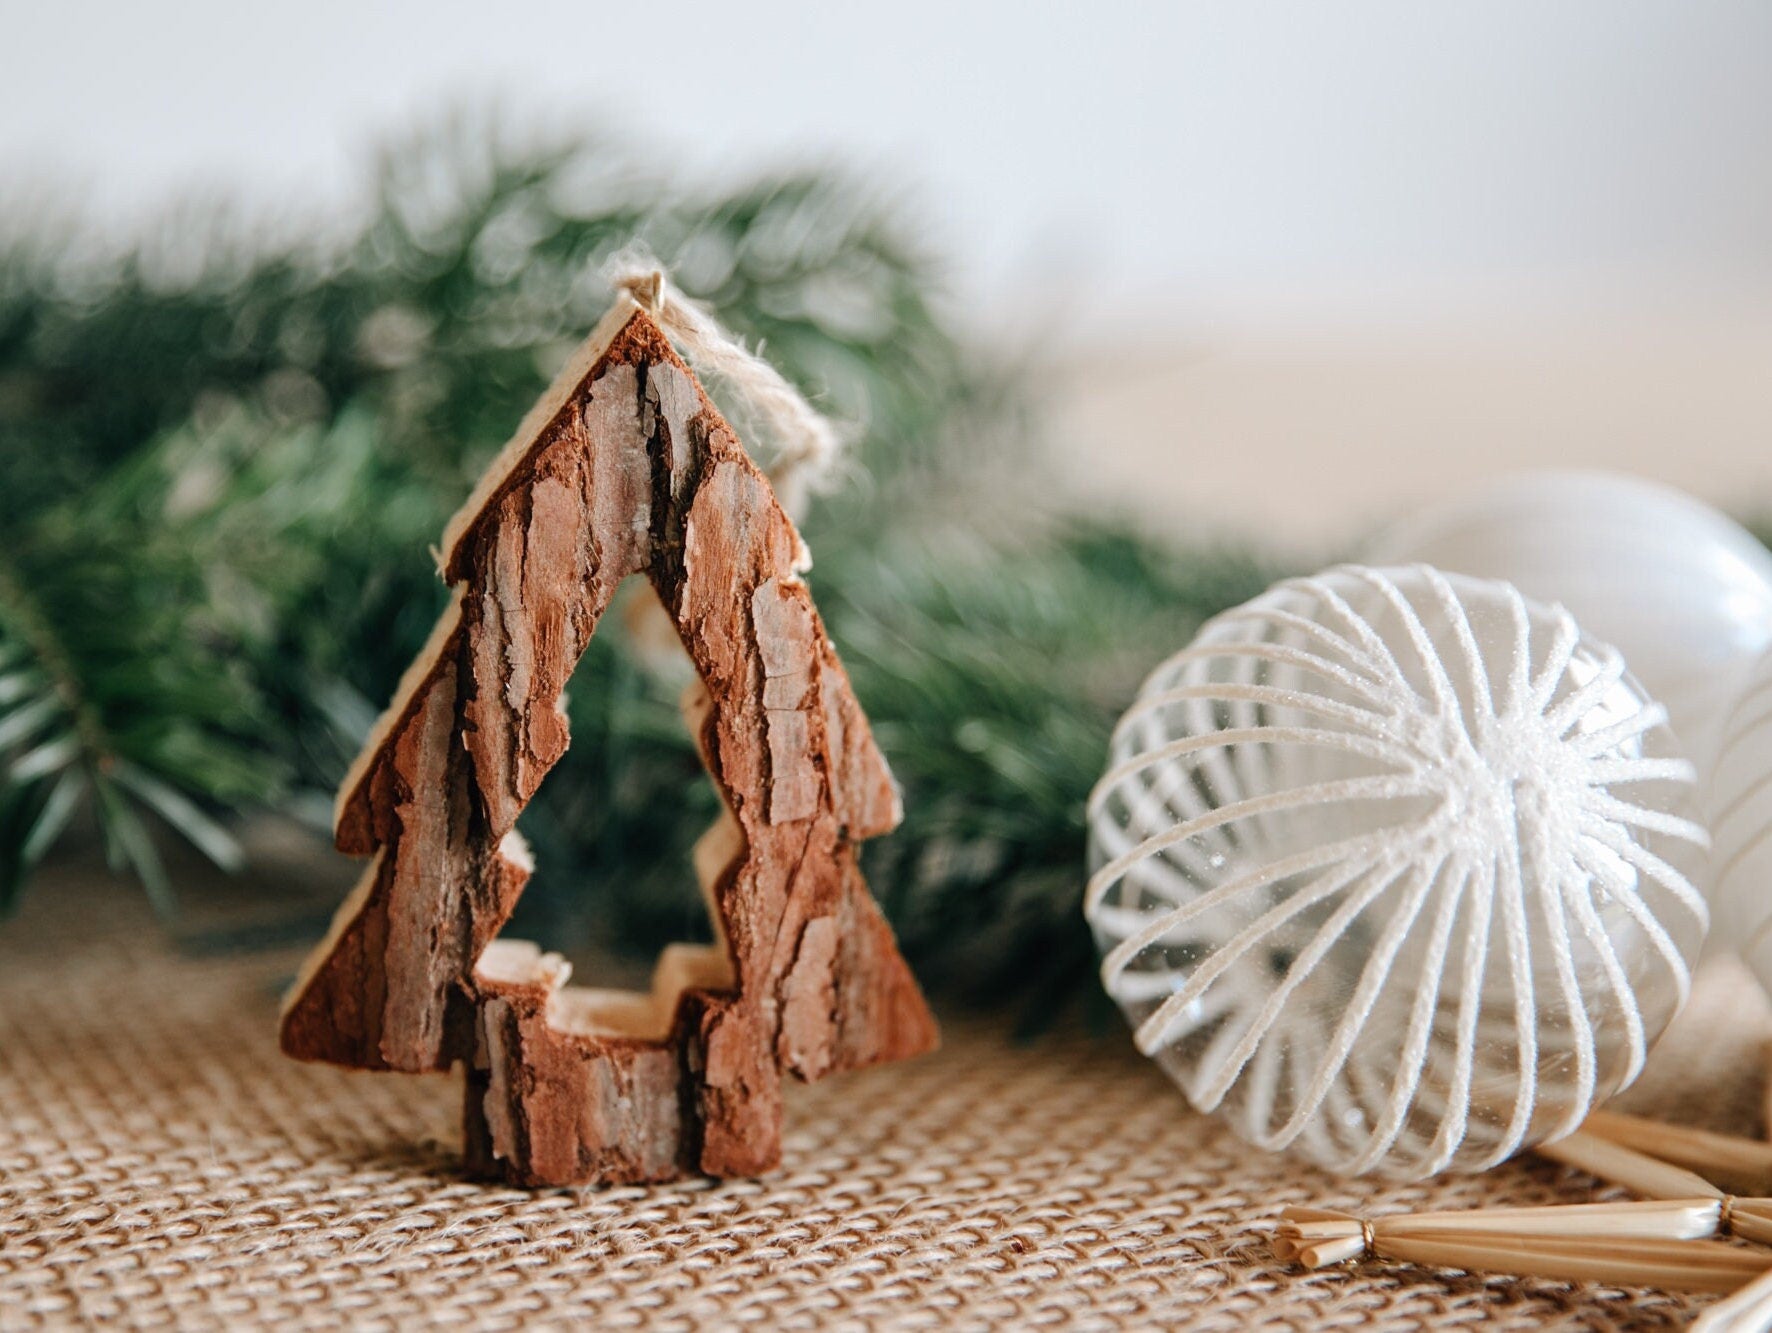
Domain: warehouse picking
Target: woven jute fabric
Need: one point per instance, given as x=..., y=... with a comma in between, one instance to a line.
x=162, y=1165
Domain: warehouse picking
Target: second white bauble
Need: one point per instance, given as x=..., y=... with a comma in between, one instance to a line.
x=1683, y=591
x=1740, y=813
x=1394, y=869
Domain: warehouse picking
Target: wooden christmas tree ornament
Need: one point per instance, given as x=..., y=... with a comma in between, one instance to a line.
x=624, y=467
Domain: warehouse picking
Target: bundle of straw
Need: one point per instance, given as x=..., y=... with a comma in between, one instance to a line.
x=1629, y=1244
x=1669, y=1240
x=1611, y=1159
x=1749, y=1218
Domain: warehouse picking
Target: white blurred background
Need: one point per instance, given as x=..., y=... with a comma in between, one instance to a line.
x=1301, y=264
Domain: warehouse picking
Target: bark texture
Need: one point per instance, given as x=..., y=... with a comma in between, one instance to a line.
x=635, y=473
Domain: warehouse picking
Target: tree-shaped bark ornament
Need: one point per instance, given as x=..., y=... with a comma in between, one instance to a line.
x=624, y=467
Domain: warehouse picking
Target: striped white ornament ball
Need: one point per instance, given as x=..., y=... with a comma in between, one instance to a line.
x=1684, y=592
x=1394, y=869
x=1739, y=807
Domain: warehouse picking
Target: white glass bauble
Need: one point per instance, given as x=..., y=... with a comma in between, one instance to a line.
x=1739, y=807
x=1684, y=592
x=1393, y=869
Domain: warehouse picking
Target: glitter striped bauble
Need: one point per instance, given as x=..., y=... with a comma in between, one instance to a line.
x=1394, y=869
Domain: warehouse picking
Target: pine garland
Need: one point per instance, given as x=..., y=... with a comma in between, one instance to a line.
x=220, y=481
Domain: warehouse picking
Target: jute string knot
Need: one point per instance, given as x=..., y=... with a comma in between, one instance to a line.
x=806, y=445
x=1368, y=1236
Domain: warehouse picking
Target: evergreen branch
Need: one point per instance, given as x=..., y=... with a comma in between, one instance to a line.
x=50, y=741
x=220, y=491
x=111, y=700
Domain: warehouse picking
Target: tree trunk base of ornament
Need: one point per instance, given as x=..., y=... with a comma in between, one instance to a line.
x=557, y=1095
x=546, y=1106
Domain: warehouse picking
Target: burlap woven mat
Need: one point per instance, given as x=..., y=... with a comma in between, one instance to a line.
x=162, y=1165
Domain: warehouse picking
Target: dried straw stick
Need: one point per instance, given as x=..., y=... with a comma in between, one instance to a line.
x=1749, y=1310
x=1624, y=1166
x=1751, y=1219
x=1724, y=1159
x=1629, y=1244
x=1748, y=1218
x=1657, y=1243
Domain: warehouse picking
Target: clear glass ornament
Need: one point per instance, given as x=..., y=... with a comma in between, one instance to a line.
x=1683, y=591
x=1394, y=869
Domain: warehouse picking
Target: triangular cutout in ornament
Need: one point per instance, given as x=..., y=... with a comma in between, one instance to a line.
x=624, y=467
